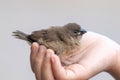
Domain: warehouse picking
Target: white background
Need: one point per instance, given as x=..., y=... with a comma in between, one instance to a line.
x=101, y=16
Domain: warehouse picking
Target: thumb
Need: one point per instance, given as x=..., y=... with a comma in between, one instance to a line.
x=72, y=72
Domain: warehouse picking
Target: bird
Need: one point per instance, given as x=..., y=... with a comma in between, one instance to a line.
x=62, y=39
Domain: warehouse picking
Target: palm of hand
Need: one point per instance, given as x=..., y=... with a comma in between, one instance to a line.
x=96, y=54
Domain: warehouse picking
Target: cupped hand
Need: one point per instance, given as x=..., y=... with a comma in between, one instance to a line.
x=96, y=54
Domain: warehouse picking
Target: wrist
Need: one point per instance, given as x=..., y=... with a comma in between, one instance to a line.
x=115, y=70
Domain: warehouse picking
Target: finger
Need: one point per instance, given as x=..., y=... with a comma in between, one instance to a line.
x=37, y=63
x=58, y=70
x=72, y=72
x=34, y=51
x=46, y=72
x=41, y=53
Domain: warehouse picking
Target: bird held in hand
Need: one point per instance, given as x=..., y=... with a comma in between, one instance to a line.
x=62, y=39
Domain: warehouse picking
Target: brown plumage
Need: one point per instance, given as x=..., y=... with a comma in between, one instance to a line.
x=61, y=39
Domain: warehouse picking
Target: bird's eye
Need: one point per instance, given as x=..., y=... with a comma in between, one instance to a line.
x=77, y=32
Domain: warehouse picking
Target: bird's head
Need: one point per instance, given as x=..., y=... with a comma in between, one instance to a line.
x=75, y=30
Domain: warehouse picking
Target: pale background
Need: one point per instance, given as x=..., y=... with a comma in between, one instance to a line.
x=101, y=16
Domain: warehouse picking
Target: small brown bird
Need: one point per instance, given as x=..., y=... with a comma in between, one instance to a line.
x=61, y=39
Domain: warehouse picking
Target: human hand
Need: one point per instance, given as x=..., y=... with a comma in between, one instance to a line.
x=96, y=54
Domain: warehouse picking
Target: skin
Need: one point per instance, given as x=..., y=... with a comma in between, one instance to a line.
x=96, y=54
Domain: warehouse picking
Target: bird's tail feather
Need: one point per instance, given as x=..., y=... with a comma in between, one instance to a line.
x=20, y=35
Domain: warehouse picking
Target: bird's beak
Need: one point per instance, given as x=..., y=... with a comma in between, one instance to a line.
x=83, y=31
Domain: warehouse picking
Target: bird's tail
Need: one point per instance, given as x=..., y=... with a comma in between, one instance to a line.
x=21, y=35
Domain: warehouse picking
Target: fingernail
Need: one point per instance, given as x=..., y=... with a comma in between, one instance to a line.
x=49, y=52
x=43, y=47
x=47, y=55
x=35, y=44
